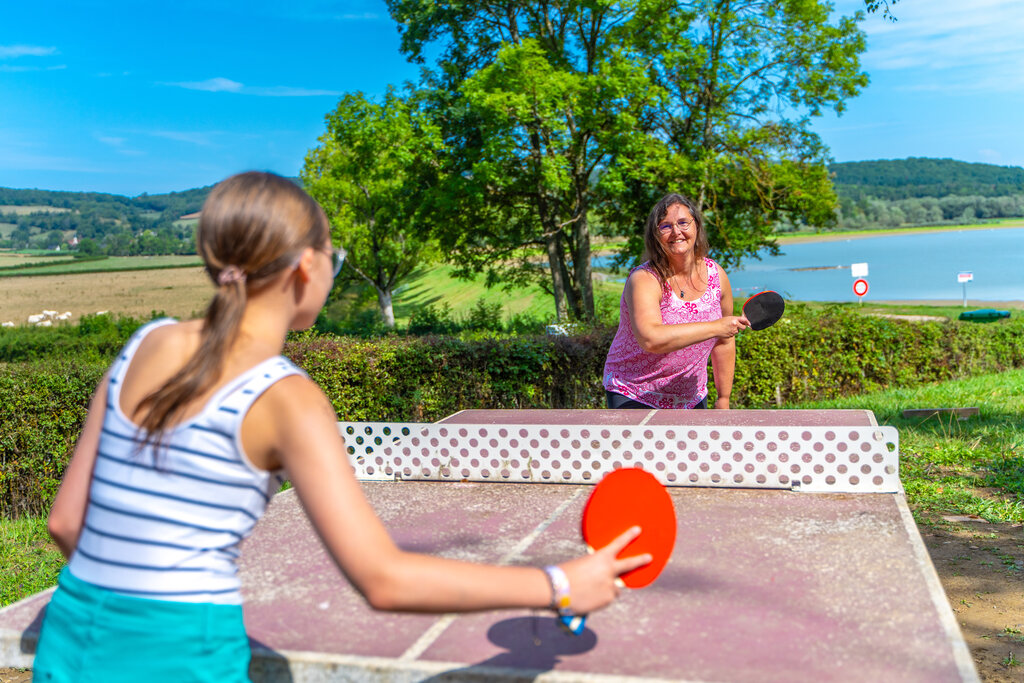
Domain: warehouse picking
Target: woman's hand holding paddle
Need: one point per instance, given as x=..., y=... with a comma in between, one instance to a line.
x=593, y=577
x=731, y=325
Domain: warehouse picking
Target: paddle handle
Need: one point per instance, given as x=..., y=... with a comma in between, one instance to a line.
x=573, y=625
x=576, y=624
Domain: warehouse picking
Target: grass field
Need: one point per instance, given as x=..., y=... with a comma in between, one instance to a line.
x=813, y=236
x=25, y=210
x=10, y=259
x=65, y=266
x=180, y=292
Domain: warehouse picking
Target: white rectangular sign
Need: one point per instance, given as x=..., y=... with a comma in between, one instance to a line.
x=966, y=276
x=859, y=270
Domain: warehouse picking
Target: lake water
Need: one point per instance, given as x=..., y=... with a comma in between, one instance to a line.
x=901, y=267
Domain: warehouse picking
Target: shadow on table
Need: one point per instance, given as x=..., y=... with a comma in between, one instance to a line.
x=534, y=645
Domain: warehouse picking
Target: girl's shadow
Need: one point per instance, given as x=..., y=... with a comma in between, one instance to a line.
x=534, y=645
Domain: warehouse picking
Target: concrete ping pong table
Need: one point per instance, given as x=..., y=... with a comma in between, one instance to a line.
x=796, y=558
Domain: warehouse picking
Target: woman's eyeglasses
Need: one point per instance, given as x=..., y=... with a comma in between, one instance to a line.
x=682, y=225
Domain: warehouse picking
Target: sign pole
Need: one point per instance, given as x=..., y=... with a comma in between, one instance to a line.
x=963, y=277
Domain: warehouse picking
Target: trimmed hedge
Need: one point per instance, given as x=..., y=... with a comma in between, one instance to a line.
x=807, y=356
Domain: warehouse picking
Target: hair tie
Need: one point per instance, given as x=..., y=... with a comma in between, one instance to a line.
x=230, y=274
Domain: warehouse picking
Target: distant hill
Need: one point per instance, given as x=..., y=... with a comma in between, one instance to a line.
x=178, y=203
x=105, y=223
x=907, y=192
x=920, y=177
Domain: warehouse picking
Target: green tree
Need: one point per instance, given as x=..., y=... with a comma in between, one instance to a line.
x=743, y=78
x=369, y=172
x=53, y=239
x=536, y=99
x=557, y=111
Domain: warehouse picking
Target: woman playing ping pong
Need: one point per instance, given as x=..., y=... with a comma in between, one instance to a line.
x=675, y=313
x=189, y=434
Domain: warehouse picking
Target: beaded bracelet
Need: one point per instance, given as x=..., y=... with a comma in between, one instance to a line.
x=560, y=600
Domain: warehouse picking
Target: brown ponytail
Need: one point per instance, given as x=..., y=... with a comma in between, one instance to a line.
x=253, y=226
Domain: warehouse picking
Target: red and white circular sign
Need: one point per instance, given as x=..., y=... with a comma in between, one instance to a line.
x=860, y=287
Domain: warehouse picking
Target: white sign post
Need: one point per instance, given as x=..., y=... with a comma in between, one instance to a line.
x=963, y=278
x=859, y=269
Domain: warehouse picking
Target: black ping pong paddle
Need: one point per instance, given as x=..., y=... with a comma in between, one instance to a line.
x=764, y=309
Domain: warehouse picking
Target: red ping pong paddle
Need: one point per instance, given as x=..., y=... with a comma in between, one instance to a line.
x=626, y=498
x=764, y=309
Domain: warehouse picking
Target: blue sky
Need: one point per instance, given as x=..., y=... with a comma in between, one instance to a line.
x=131, y=97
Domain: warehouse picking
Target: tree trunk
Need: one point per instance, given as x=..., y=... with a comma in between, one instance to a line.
x=387, y=312
x=557, y=281
x=582, y=268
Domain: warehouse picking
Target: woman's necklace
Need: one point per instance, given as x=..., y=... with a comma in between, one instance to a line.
x=689, y=280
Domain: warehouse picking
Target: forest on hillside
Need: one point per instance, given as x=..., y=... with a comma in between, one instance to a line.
x=100, y=223
x=920, y=191
x=882, y=193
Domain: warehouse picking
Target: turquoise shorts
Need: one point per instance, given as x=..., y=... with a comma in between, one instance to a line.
x=93, y=634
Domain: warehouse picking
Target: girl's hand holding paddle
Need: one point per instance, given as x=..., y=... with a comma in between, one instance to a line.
x=593, y=578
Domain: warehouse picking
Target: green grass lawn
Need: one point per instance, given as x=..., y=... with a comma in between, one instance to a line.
x=948, y=467
x=29, y=562
x=436, y=285
x=64, y=265
x=879, y=232
x=962, y=467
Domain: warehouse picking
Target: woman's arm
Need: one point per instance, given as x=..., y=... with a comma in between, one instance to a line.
x=723, y=356
x=643, y=302
x=307, y=443
x=68, y=512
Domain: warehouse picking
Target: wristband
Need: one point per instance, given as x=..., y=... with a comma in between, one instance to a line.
x=560, y=601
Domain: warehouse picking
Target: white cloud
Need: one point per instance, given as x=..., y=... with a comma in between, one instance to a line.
x=951, y=45
x=12, y=51
x=364, y=16
x=11, y=69
x=285, y=91
x=990, y=155
x=211, y=85
x=112, y=141
x=227, y=85
x=203, y=139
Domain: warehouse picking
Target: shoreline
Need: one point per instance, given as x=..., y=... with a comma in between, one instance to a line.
x=783, y=238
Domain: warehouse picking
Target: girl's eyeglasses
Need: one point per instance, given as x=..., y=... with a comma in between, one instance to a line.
x=337, y=260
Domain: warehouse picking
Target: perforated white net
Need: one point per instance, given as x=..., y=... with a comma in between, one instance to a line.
x=816, y=459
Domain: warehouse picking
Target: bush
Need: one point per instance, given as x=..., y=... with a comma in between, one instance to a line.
x=42, y=408
x=95, y=337
x=806, y=356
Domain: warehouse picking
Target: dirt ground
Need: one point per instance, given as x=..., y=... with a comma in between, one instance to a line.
x=981, y=567
x=179, y=292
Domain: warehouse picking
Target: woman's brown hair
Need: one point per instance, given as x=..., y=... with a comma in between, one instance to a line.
x=655, y=250
x=253, y=226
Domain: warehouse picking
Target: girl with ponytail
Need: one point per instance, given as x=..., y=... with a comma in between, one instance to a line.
x=192, y=430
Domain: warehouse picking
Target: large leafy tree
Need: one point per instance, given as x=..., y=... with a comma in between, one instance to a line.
x=536, y=98
x=557, y=111
x=742, y=80
x=368, y=172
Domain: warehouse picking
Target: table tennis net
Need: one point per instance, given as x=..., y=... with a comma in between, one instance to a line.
x=813, y=459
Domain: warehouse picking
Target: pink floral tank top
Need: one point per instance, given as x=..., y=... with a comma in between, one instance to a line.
x=678, y=379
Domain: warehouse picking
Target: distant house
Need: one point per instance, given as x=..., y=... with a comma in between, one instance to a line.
x=73, y=242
